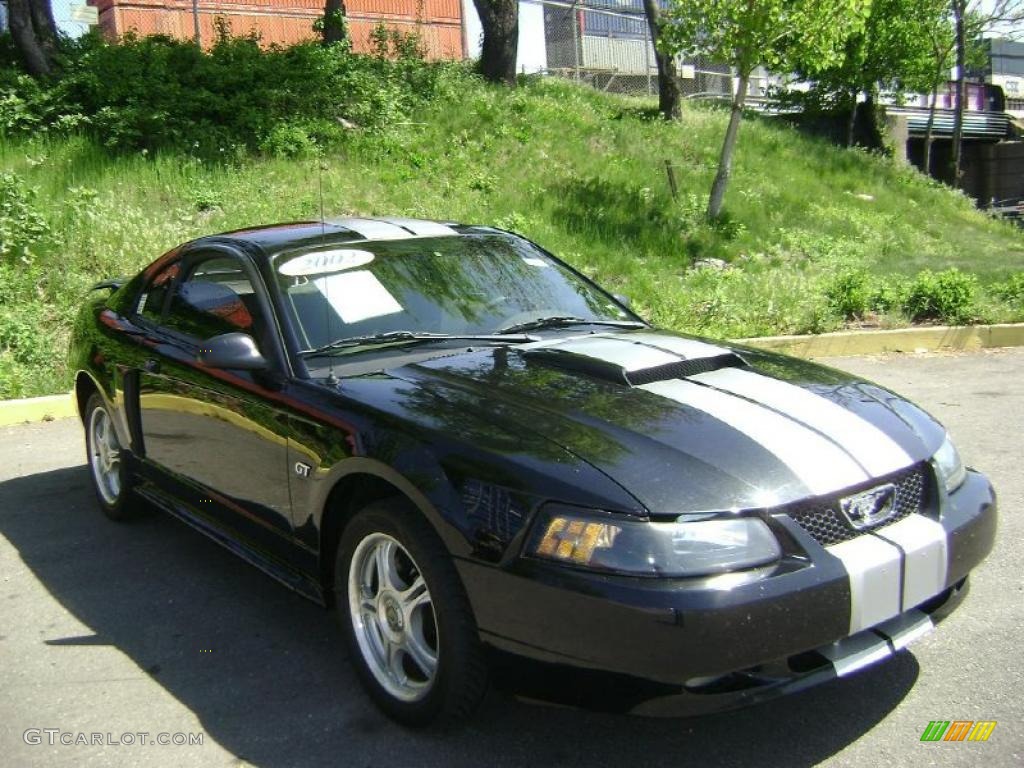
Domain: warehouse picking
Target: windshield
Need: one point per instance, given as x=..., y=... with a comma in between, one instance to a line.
x=472, y=284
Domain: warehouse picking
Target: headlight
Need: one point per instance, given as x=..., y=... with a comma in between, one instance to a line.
x=949, y=466
x=680, y=548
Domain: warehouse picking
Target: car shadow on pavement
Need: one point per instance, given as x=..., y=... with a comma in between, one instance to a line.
x=265, y=671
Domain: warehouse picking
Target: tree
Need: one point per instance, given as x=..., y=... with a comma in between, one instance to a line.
x=749, y=33
x=941, y=41
x=892, y=52
x=334, y=29
x=668, y=87
x=500, y=22
x=34, y=33
x=972, y=18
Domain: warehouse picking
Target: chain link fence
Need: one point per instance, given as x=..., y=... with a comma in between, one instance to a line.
x=607, y=44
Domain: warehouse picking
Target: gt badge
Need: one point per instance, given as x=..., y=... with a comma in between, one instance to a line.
x=870, y=507
x=302, y=470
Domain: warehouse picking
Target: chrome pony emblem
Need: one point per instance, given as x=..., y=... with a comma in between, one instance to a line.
x=871, y=507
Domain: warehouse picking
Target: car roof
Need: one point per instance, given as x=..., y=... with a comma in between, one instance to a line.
x=278, y=237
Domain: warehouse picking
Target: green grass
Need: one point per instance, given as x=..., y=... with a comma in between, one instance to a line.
x=580, y=172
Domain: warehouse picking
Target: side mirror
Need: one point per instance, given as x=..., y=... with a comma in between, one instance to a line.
x=231, y=350
x=623, y=299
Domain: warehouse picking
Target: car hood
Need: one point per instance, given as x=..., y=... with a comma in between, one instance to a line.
x=686, y=425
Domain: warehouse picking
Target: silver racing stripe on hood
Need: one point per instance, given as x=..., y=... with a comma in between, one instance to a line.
x=690, y=349
x=874, y=450
x=818, y=462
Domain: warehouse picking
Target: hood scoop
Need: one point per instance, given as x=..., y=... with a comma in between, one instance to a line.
x=633, y=359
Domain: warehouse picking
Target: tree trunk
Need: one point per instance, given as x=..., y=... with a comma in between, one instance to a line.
x=851, y=124
x=959, y=11
x=45, y=27
x=334, y=22
x=725, y=160
x=929, y=131
x=19, y=19
x=668, y=86
x=500, y=22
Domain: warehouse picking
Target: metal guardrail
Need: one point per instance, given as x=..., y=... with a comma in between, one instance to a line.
x=977, y=125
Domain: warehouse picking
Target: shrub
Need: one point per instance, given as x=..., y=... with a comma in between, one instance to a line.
x=1011, y=291
x=889, y=294
x=158, y=93
x=21, y=226
x=947, y=296
x=850, y=293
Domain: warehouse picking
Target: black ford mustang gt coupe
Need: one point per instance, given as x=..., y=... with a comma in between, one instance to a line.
x=476, y=454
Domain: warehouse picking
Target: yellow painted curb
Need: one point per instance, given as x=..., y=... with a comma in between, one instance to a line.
x=930, y=339
x=36, y=409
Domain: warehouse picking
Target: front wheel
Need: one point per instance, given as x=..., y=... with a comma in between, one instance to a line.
x=410, y=630
x=110, y=477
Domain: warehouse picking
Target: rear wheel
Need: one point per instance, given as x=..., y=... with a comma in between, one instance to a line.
x=410, y=631
x=110, y=478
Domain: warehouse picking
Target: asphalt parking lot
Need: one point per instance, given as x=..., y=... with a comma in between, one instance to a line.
x=149, y=627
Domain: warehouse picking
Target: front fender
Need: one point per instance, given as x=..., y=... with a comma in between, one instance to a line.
x=478, y=482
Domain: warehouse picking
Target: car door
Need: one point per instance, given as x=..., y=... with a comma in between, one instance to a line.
x=213, y=436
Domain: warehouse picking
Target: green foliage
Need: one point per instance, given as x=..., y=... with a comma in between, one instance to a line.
x=1011, y=290
x=392, y=43
x=948, y=296
x=849, y=294
x=156, y=93
x=895, y=50
x=773, y=33
x=22, y=228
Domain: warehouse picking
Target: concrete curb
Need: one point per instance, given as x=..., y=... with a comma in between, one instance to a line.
x=929, y=339
x=36, y=409
x=841, y=344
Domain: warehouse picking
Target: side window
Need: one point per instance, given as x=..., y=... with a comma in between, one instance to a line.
x=216, y=297
x=152, y=301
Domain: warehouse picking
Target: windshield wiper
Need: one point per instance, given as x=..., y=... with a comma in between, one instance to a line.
x=411, y=337
x=556, y=321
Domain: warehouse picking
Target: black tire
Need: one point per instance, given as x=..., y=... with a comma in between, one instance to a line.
x=123, y=504
x=461, y=672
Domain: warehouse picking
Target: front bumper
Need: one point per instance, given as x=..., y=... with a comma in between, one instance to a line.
x=704, y=645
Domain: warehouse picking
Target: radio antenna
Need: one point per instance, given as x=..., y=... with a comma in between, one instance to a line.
x=332, y=380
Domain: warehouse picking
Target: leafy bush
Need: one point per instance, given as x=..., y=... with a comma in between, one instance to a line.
x=947, y=296
x=1011, y=291
x=849, y=294
x=158, y=93
x=21, y=226
x=890, y=293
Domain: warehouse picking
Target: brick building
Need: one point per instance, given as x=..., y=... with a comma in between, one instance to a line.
x=439, y=22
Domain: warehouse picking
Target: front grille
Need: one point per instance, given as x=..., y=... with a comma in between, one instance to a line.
x=823, y=520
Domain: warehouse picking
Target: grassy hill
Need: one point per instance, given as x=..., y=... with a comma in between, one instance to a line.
x=814, y=234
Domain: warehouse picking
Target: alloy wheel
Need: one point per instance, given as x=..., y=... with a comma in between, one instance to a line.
x=393, y=617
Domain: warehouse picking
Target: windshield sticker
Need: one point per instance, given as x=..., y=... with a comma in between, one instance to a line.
x=325, y=261
x=356, y=296
x=533, y=261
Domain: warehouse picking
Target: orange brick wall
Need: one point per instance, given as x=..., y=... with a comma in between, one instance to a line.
x=438, y=22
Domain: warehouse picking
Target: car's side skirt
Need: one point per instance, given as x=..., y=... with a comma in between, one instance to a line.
x=176, y=507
